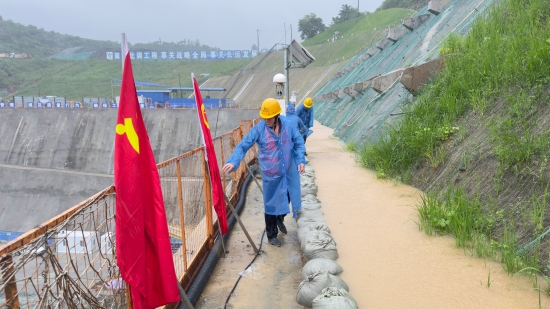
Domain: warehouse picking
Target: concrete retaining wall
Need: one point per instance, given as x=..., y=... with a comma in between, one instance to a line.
x=415, y=77
x=51, y=160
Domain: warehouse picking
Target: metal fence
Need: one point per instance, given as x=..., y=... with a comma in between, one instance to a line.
x=70, y=260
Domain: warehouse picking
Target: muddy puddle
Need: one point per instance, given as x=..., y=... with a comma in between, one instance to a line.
x=387, y=261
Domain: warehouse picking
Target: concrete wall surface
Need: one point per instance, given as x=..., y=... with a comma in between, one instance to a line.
x=30, y=196
x=51, y=160
x=82, y=140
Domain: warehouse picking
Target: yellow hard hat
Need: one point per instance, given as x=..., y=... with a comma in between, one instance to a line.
x=308, y=102
x=270, y=108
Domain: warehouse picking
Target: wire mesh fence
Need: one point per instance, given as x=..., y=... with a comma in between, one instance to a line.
x=362, y=117
x=70, y=260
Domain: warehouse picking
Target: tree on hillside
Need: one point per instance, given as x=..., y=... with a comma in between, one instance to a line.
x=405, y=4
x=347, y=12
x=310, y=26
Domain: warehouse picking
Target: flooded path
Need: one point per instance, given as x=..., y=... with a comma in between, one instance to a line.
x=388, y=262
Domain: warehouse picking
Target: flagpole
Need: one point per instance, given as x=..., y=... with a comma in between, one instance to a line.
x=123, y=48
x=234, y=213
x=219, y=224
x=204, y=124
x=240, y=223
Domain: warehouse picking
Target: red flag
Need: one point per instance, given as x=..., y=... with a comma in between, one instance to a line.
x=144, y=254
x=215, y=179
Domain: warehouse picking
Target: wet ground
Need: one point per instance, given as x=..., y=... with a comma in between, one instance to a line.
x=387, y=261
x=273, y=278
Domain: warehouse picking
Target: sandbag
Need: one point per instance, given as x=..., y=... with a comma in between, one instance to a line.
x=319, y=245
x=314, y=285
x=307, y=177
x=311, y=206
x=310, y=213
x=308, y=169
x=310, y=201
x=315, y=226
x=310, y=198
x=303, y=221
x=321, y=266
x=334, y=298
x=308, y=188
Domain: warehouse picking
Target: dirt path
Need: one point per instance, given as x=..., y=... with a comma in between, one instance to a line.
x=387, y=261
x=276, y=275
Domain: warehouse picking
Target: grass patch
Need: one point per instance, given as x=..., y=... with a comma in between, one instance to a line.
x=351, y=147
x=453, y=212
x=497, y=217
x=473, y=77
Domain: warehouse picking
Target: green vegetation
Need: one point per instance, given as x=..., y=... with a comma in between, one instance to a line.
x=347, y=12
x=405, y=4
x=351, y=147
x=475, y=76
x=39, y=43
x=91, y=77
x=353, y=36
x=310, y=26
x=496, y=82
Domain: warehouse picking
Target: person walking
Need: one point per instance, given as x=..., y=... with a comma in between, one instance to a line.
x=295, y=120
x=305, y=112
x=281, y=157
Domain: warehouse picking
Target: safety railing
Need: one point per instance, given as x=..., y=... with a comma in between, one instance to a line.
x=70, y=260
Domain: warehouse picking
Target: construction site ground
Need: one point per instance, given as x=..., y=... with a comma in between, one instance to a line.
x=388, y=262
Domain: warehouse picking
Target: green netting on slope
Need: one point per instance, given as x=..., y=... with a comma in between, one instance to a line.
x=416, y=47
x=364, y=118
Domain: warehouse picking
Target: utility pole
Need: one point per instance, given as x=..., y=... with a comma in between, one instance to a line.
x=258, y=36
x=357, y=5
x=284, y=26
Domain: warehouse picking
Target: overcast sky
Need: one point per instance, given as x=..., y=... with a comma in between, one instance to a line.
x=217, y=23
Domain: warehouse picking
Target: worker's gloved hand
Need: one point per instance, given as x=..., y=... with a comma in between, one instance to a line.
x=228, y=168
x=294, y=213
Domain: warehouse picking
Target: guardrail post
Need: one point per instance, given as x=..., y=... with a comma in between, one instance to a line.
x=223, y=162
x=237, y=141
x=8, y=279
x=232, y=145
x=207, y=199
x=129, y=296
x=182, y=216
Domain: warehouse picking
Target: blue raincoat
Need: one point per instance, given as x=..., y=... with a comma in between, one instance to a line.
x=295, y=120
x=279, y=157
x=306, y=114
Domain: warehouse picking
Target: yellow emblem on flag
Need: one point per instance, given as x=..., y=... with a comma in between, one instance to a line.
x=128, y=128
x=204, y=116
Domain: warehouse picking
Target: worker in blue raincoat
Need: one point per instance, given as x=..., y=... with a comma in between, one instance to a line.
x=305, y=112
x=295, y=120
x=281, y=157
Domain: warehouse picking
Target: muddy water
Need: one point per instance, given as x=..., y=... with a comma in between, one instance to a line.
x=387, y=261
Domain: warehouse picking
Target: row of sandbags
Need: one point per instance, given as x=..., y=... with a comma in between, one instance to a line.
x=321, y=287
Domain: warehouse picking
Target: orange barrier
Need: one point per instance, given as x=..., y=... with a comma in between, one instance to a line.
x=70, y=260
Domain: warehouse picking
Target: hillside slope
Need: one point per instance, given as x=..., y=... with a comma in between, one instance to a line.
x=476, y=139
x=92, y=77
